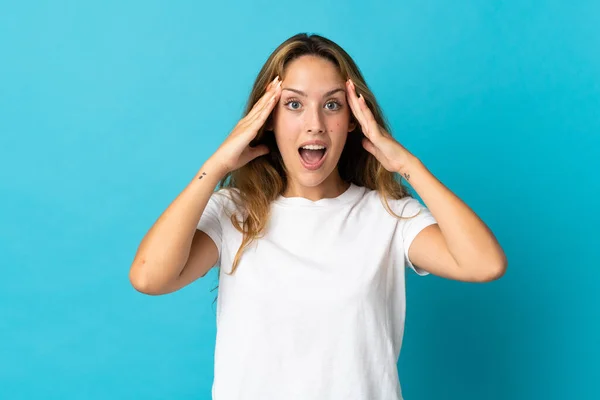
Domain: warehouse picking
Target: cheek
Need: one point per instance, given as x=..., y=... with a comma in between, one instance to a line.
x=338, y=131
x=287, y=129
x=338, y=124
x=285, y=121
x=286, y=134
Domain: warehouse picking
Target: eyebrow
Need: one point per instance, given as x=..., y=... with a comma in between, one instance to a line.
x=300, y=92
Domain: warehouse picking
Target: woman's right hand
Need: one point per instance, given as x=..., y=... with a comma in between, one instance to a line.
x=235, y=151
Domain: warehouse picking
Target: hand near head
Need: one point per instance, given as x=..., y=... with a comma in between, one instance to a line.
x=235, y=151
x=390, y=153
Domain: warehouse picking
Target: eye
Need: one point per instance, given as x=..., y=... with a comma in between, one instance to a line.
x=295, y=104
x=331, y=105
x=335, y=103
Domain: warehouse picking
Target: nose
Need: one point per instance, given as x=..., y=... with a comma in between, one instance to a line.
x=314, y=121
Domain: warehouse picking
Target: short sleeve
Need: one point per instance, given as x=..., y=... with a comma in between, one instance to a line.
x=410, y=227
x=210, y=221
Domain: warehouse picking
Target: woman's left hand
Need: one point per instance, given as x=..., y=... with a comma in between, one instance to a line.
x=392, y=155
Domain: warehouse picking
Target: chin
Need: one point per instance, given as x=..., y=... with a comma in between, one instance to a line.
x=311, y=179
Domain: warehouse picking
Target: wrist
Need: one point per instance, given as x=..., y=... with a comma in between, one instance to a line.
x=214, y=167
x=211, y=171
x=409, y=165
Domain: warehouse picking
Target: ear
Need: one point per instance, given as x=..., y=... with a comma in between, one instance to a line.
x=269, y=123
x=352, y=124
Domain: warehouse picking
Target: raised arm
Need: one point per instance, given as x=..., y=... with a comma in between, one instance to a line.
x=460, y=246
x=173, y=252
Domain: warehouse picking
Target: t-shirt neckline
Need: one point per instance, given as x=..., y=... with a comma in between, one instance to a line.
x=349, y=194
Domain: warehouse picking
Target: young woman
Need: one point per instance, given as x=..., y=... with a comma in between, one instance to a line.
x=311, y=233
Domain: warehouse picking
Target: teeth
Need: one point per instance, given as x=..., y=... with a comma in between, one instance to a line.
x=313, y=147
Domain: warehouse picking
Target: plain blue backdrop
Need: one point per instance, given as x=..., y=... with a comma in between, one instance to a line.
x=108, y=109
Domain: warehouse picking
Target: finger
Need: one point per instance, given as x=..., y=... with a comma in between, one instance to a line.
x=265, y=102
x=355, y=106
x=370, y=118
x=262, y=115
x=368, y=122
x=269, y=102
x=352, y=99
x=258, y=106
x=271, y=88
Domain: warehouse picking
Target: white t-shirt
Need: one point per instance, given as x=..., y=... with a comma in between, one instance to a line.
x=316, y=307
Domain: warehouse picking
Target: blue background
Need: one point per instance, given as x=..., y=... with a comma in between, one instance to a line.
x=108, y=109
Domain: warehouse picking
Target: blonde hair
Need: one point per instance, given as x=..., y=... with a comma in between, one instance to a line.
x=263, y=179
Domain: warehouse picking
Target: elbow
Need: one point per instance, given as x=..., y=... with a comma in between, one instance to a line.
x=138, y=283
x=141, y=282
x=493, y=271
x=501, y=266
x=495, y=274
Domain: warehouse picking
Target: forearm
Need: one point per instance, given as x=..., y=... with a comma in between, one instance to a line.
x=164, y=250
x=469, y=240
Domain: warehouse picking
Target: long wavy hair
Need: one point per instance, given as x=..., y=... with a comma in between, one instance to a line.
x=263, y=179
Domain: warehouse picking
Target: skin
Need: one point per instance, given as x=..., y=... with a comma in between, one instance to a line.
x=312, y=115
x=460, y=246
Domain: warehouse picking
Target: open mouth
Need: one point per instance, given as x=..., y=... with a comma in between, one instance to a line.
x=312, y=156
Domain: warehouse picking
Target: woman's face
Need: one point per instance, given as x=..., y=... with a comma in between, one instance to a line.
x=311, y=121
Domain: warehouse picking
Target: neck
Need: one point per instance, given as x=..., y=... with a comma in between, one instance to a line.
x=331, y=187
